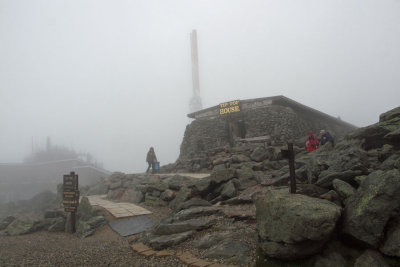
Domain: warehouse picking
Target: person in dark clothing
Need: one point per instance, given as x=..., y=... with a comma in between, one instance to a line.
x=151, y=159
x=311, y=143
x=326, y=137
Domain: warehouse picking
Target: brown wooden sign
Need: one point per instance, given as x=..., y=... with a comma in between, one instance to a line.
x=70, y=192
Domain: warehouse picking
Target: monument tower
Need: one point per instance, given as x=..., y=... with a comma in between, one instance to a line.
x=195, y=102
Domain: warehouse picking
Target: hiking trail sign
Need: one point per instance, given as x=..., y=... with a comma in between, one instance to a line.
x=71, y=195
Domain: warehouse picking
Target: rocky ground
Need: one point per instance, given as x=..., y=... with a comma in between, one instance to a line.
x=105, y=248
x=346, y=211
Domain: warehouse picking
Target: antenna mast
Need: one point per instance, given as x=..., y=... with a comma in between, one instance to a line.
x=195, y=102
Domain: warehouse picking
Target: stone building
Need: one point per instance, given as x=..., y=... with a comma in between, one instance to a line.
x=272, y=120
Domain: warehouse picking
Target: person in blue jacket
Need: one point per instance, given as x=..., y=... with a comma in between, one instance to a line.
x=325, y=138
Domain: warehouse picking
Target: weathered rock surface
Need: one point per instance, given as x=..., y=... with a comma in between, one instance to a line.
x=343, y=189
x=370, y=258
x=391, y=246
x=292, y=226
x=370, y=208
x=184, y=226
x=21, y=226
x=167, y=241
x=332, y=259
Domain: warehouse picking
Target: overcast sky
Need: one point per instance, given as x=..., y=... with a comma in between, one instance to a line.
x=113, y=78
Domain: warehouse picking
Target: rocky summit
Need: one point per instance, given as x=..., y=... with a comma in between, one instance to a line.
x=345, y=212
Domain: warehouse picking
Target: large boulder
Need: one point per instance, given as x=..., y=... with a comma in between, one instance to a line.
x=368, y=211
x=292, y=226
x=222, y=176
x=259, y=154
x=373, y=136
x=183, y=194
x=5, y=222
x=22, y=225
x=391, y=246
x=343, y=189
x=184, y=226
x=247, y=177
x=370, y=258
x=166, y=241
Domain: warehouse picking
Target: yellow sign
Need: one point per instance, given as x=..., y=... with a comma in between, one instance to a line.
x=229, y=107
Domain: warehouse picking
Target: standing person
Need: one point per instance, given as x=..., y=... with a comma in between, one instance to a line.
x=326, y=137
x=311, y=143
x=151, y=159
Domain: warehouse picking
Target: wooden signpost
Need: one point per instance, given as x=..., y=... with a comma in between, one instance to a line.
x=71, y=196
x=289, y=154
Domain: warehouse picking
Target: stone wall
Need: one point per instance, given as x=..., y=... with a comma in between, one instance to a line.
x=281, y=123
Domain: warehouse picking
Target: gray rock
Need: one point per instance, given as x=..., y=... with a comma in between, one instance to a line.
x=348, y=176
x=135, y=196
x=343, y=189
x=209, y=240
x=392, y=162
x=259, y=154
x=22, y=226
x=98, y=189
x=201, y=186
x=115, y=185
x=332, y=259
x=183, y=226
x=58, y=225
x=373, y=136
x=167, y=195
x=154, y=201
x=332, y=196
x=370, y=258
x=221, y=176
x=195, y=212
x=310, y=190
x=391, y=246
x=393, y=137
x=228, y=190
x=87, y=228
x=239, y=158
x=247, y=178
x=194, y=202
x=183, y=195
x=85, y=210
x=375, y=200
x=5, y=222
x=232, y=251
x=220, y=167
x=292, y=226
x=391, y=114
x=167, y=241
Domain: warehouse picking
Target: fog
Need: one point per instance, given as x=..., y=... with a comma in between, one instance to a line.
x=113, y=78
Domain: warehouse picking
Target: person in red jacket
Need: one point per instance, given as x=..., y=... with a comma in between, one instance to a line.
x=311, y=143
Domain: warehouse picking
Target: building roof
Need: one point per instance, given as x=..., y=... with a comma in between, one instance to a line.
x=256, y=103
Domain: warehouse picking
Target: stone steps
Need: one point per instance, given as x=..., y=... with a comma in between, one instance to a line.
x=184, y=256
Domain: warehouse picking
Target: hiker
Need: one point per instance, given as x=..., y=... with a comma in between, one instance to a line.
x=311, y=143
x=151, y=159
x=325, y=137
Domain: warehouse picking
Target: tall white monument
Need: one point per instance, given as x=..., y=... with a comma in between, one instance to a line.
x=195, y=102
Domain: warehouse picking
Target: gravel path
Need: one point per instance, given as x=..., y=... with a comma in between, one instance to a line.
x=104, y=248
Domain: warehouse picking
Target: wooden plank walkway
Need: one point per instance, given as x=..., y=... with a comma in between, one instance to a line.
x=117, y=209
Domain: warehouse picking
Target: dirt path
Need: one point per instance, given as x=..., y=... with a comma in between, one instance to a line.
x=104, y=248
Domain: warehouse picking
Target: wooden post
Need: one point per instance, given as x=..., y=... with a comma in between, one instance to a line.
x=291, y=169
x=289, y=154
x=71, y=196
x=73, y=222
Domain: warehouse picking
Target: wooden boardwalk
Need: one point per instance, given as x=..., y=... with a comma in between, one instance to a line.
x=117, y=209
